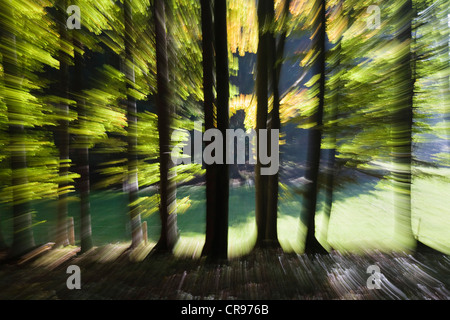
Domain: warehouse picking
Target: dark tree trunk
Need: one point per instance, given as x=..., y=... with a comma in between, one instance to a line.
x=312, y=245
x=62, y=131
x=330, y=171
x=167, y=186
x=208, y=107
x=277, y=50
x=85, y=207
x=82, y=150
x=262, y=78
x=219, y=248
x=23, y=239
x=132, y=171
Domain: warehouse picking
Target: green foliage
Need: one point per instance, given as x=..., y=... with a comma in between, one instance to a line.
x=27, y=47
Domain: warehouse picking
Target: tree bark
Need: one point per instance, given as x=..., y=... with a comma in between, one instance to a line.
x=167, y=187
x=277, y=50
x=208, y=108
x=132, y=171
x=312, y=245
x=82, y=152
x=62, y=131
x=220, y=244
x=262, y=78
x=330, y=172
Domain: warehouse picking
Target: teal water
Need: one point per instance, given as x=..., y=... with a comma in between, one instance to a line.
x=110, y=220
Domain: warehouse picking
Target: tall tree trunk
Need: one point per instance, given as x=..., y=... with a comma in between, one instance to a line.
x=23, y=239
x=262, y=78
x=312, y=245
x=82, y=151
x=208, y=107
x=330, y=172
x=220, y=244
x=132, y=171
x=277, y=49
x=3, y=245
x=85, y=206
x=167, y=186
x=62, y=131
x=401, y=135
x=402, y=128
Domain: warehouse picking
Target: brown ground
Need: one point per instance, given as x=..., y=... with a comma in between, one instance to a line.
x=110, y=272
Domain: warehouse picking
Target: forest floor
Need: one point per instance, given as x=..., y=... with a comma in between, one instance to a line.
x=111, y=272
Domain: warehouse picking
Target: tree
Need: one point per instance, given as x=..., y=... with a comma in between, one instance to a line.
x=277, y=50
x=96, y=94
x=217, y=184
x=62, y=131
x=269, y=62
x=401, y=133
x=132, y=170
x=219, y=248
x=312, y=245
x=265, y=15
x=208, y=109
x=402, y=130
x=167, y=187
x=82, y=149
x=335, y=30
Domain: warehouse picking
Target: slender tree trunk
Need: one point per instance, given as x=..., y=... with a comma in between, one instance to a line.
x=167, y=187
x=312, y=245
x=85, y=206
x=330, y=172
x=83, y=153
x=208, y=107
x=220, y=243
x=23, y=239
x=277, y=49
x=132, y=171
x=262, y=78
x=62, y=131
x=401, y=134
